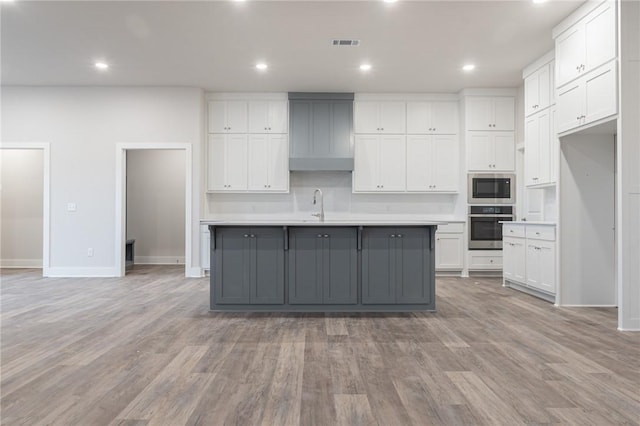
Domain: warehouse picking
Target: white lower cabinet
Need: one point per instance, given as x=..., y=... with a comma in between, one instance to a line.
x=485, y=260
x=268, y=169
x=450, y=247
x=432, y=163
x=530, y=258
x=380, y=163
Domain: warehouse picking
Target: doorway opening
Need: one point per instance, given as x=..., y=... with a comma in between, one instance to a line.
x=153, y=205
x=24, y=206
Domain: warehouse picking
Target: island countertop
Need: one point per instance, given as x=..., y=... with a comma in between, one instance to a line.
x=327, y=222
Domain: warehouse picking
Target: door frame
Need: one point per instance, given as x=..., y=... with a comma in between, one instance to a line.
x=46, y=195
x=121, y=194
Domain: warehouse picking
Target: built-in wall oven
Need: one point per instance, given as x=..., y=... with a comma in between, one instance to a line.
x=485, y=229
x=492, y=188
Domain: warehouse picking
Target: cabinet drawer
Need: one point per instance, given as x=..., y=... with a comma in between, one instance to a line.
x=485, y=261
x=541, y=232
x=513, y=231
x=451, y=228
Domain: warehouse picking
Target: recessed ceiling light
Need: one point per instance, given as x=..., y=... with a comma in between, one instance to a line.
x=469, y=67
x=390, y=1
x=101, y=65
x=539, y=1
x=261, y=66
x=365, y=67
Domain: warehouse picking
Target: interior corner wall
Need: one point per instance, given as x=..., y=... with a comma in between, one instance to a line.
x=587, y=220
x=83, y=125
x=21, y=222
x=155, y=205
x=628, y=161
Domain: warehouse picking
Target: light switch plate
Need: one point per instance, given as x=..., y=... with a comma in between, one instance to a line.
x=72, y=207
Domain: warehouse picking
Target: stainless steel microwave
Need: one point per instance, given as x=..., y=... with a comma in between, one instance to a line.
x=492, y=188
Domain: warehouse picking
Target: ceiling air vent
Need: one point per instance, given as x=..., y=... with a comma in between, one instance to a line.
x=344, y=42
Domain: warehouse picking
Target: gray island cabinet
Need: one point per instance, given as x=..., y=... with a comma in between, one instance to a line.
x=322, y=266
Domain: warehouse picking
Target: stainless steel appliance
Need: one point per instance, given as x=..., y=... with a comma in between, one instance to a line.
x=485, y=229
x=492, y=188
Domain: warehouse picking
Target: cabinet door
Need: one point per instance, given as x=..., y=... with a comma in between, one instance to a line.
x=278, y=161
x=445, y=164
x=419, y=118
x=570, y=53
x=278, y=117
x=533, y=265
x=236, y=116
x=232, y=266
x=513, y=258
x=479, y=113
x=258, y=167
x=340, y=265
x=569, y=107
x=547, y=275
x=444, y=118
x=531, y=93
x=479, y=151
x=544, y=87
x=378, y=266
x=236, y=162
x=503, y=113
x=532, y=151
x=258, y=117
x=267, y=266
x=600, y=36
x=419, y=163
x=392, y=161
x=217, y=122
x=544, y=148
x=413, y=265
x=366, y=117
x=600, y=100
x=392, y=117
x=449, y=252
x=216, y=163
x=305, y=265
x=554, y=146
x=365, y=171
x=504, y=151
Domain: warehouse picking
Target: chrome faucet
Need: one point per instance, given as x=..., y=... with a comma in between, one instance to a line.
x=321, y=214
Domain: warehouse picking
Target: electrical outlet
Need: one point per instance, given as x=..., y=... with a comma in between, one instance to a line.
x=90, y=252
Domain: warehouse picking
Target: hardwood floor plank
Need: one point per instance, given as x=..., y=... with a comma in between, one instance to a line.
x=353, y=410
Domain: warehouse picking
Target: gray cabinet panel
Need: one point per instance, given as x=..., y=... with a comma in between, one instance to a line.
x=267, y=266
x=305, y=262
x=300, y=129
x=249, y=266
x=231, y=261
x=413, y=264
x=340, y=266
x=378, y=266
x=323, y=266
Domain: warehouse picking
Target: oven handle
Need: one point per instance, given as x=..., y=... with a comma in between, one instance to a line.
x=491, y=215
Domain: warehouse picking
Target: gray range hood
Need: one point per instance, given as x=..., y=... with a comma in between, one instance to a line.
x=320, y=131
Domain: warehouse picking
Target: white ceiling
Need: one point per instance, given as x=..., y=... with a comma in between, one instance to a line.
x=413, y=46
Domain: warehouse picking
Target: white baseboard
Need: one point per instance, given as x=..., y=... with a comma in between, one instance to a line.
x=80, y=272
x=196, y=272
x=20, y=263
x=159, y=260
x=562, y=305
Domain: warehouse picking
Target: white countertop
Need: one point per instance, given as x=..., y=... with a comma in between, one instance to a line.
x=530, y=222
x=327, y=222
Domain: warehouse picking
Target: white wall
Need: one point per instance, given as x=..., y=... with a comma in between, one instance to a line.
x=339, y=201
x=155, y=205
x=21, y=197
x=83, y=126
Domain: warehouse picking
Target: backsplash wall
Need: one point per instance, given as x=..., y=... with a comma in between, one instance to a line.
x=339, y=201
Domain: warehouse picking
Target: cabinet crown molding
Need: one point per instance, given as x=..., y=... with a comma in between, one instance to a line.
x=246, y=96
x=489, y=92
x=536, y=65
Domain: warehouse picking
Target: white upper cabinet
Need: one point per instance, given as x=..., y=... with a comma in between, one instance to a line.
x=380, y=117
x=268, y=169
x=227, y=117
x=490, y=113
x=268, y=117
x=538, y=90
x=490, y=151
x=380, y=163
x=438, y=117
x=227, y=165
x=432, y=163
x=540, y=151
x=587, y=99
x=587, y=44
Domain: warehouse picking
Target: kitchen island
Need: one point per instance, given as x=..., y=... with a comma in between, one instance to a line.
x=322, y=266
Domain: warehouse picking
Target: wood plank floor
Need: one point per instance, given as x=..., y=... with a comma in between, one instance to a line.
x=144, y=350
